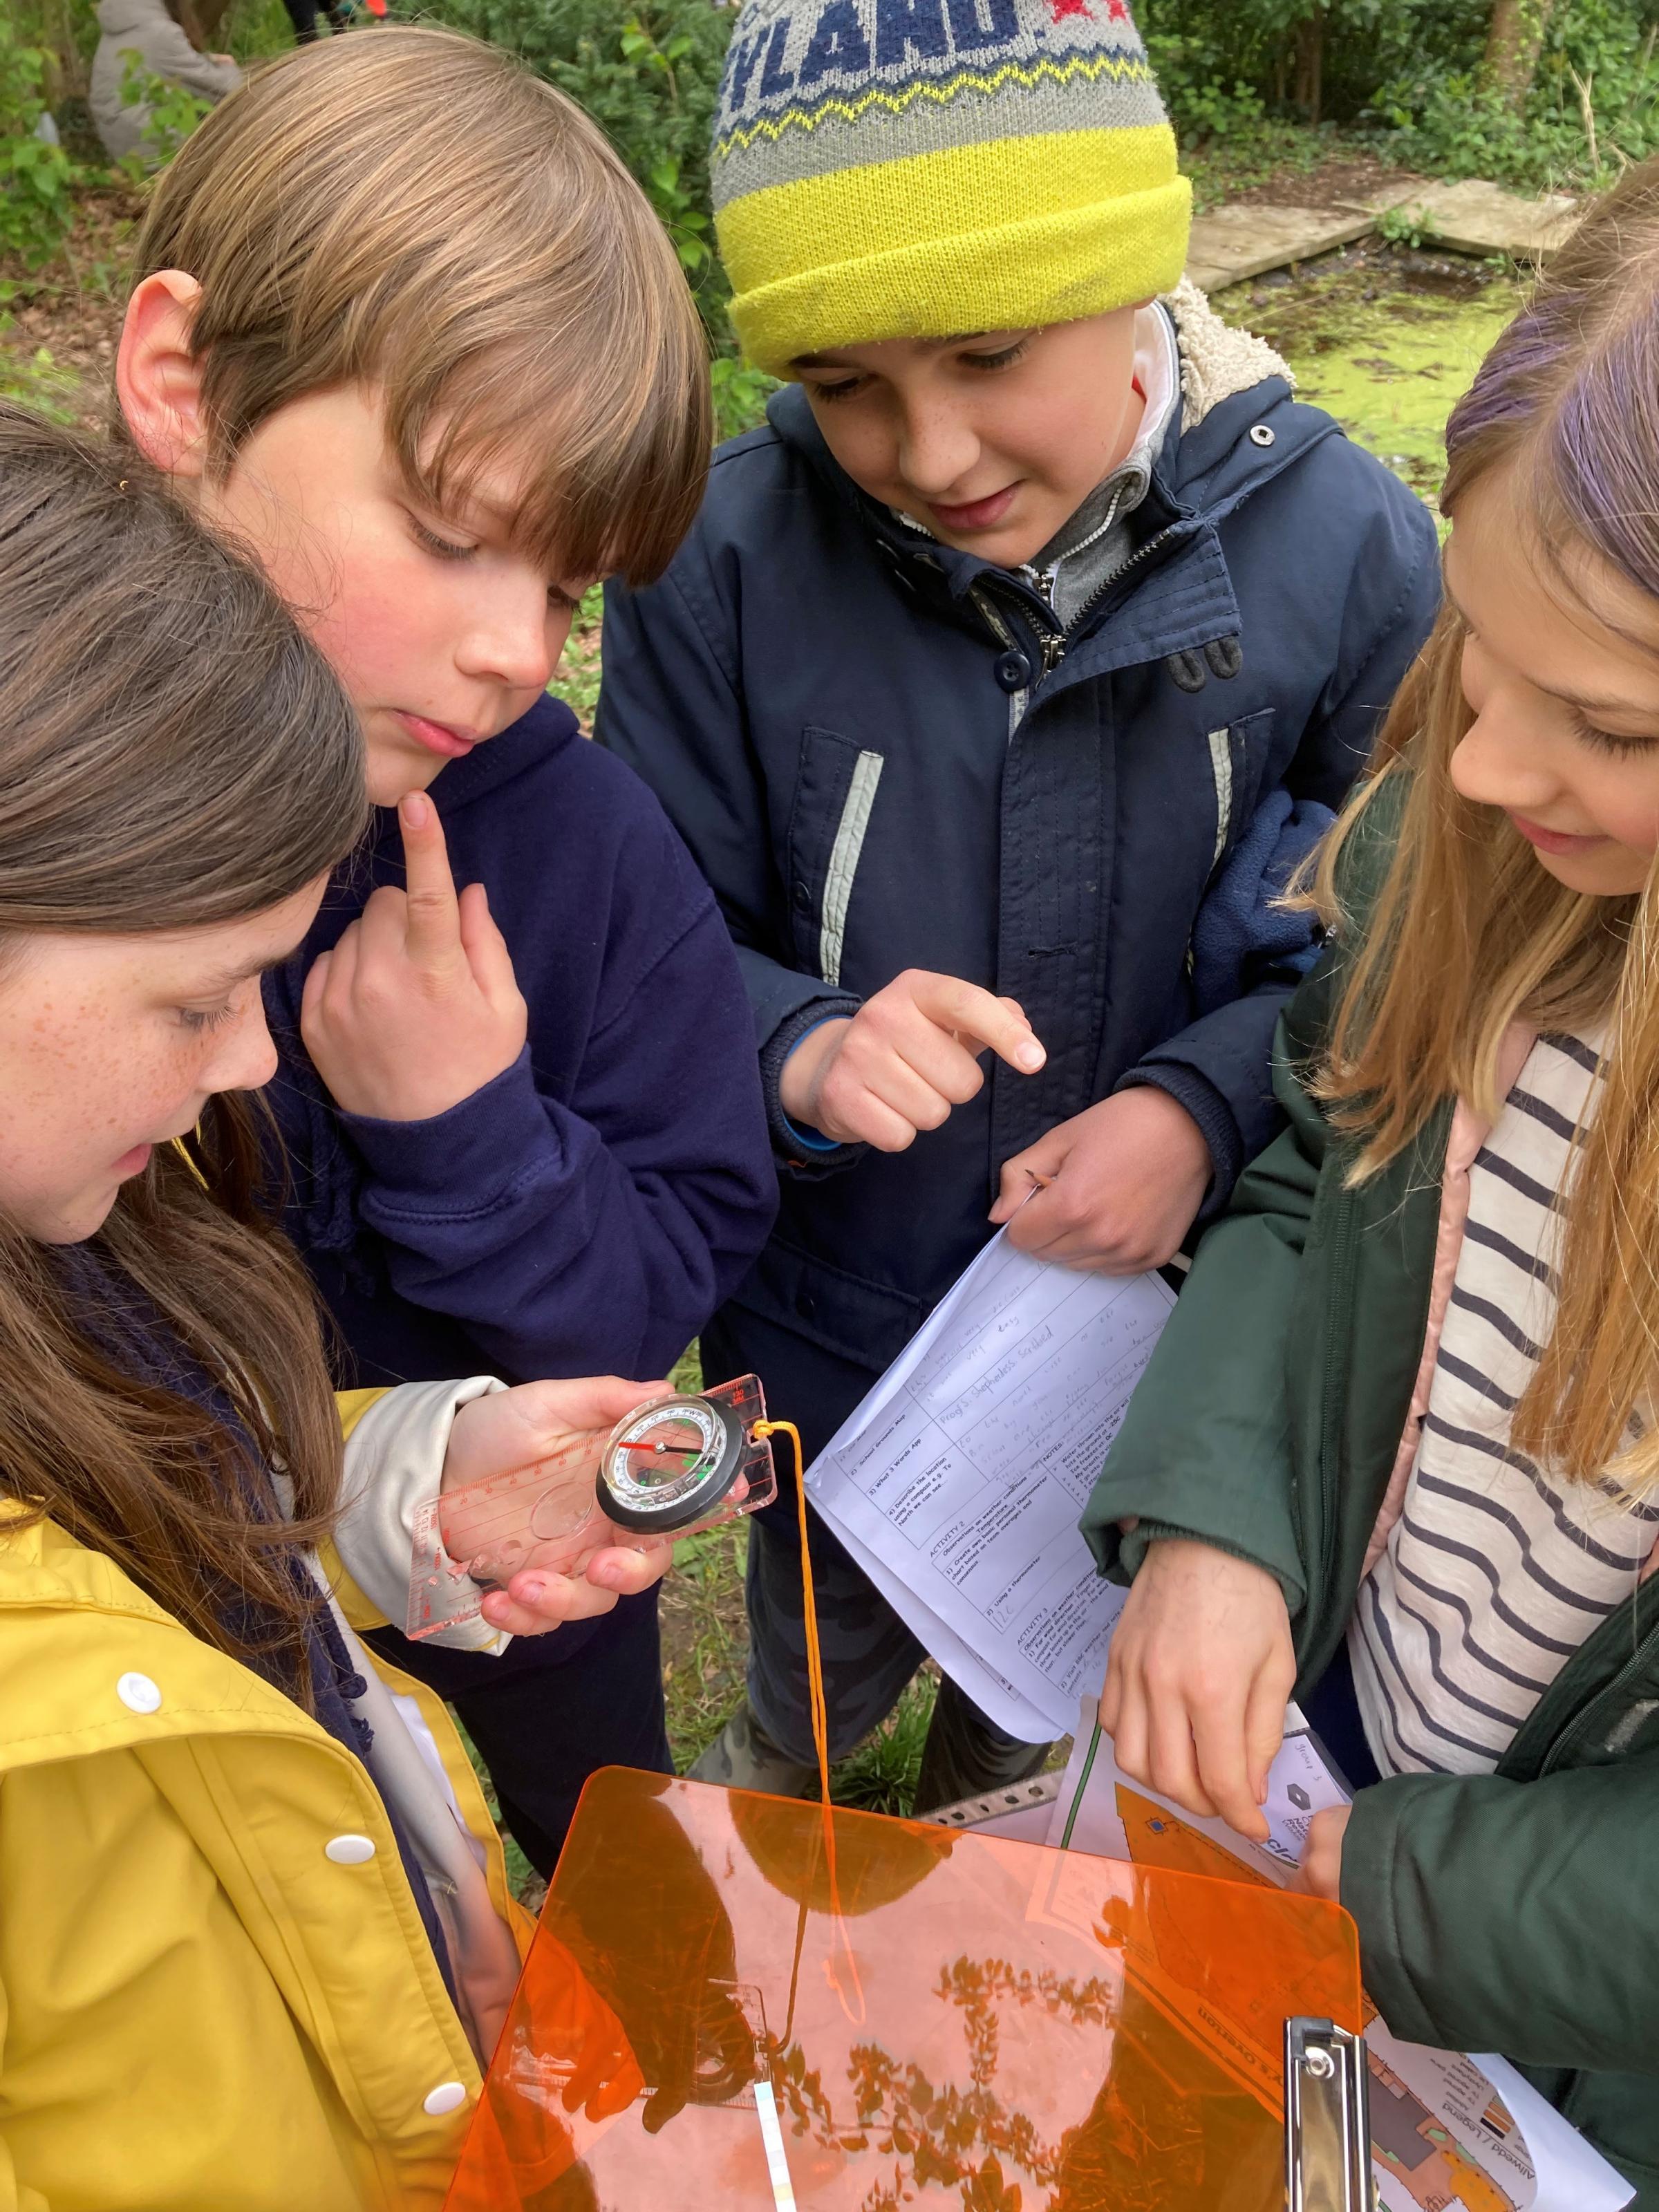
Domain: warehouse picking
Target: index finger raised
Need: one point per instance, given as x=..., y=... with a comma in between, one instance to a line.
x=432, y=928
x=980, y=1019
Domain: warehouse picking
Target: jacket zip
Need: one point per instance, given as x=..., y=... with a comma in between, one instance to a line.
x=1054, y=644
x=1339, y=1314
x=1057, y=644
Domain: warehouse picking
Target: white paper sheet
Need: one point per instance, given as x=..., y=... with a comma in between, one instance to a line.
x=957, y=1484
x=1449, y=2133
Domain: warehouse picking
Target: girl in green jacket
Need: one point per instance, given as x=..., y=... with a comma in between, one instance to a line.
x=1397, y=1451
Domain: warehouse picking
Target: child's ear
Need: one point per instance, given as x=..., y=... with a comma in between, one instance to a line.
x=158, y=380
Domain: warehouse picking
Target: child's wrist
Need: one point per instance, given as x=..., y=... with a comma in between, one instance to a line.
x=802, y=1073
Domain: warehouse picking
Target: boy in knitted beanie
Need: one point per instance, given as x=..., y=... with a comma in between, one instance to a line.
x=1005, y=675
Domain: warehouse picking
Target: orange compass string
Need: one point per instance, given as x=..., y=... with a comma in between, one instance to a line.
x=820, y=1729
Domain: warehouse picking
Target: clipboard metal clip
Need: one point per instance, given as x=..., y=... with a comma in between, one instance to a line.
x=1327, y=2133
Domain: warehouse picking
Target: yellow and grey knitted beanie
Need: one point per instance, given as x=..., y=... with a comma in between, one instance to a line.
x=914, y=168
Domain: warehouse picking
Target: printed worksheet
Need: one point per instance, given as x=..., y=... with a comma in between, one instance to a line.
x=1449, y=2132
x=959, y=1482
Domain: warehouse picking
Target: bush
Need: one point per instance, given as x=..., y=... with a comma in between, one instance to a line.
x=36, y=174
x=649, y=75
x=1412, y=74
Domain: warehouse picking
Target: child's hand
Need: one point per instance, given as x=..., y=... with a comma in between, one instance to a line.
x=1201, y=1672
x=511, y=1429
x=1322, y=1862
x=903, y=1060
x=1124, y=1179
x=415, y=1008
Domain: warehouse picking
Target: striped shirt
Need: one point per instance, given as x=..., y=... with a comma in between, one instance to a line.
x=1497, y=1569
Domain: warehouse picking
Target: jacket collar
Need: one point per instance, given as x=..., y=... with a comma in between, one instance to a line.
x=1177, y=597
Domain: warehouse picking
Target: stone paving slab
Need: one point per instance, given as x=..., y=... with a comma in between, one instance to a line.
x=1229, y=244
x=1476, y=217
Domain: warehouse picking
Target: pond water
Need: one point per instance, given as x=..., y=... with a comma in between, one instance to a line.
x=1386, y=341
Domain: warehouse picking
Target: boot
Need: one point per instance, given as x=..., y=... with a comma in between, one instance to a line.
x=744, y=1757
x=967, y=1755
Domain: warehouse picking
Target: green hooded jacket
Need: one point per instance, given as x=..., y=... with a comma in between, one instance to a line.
x=1515, y=1912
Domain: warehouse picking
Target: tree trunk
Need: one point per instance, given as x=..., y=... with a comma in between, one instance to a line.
x=1516, y=35
x=201, y=20
x=1310, y=61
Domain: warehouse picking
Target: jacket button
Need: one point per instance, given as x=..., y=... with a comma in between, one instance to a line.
x=138, y=1693
x=1013, y=670
x=1261, y=434
x=446, y=2098
x=348, y=1851
x=802, y=899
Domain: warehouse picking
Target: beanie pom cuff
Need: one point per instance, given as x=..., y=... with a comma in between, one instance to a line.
x=1057, y=267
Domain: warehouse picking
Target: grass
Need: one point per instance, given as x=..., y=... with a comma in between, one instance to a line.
x=576, y=679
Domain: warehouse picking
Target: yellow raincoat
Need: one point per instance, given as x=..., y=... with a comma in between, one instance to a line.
x=212, y=1997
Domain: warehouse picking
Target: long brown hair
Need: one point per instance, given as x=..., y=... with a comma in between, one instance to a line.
x=415, y=212
x=1469, y=933
x=172, y=754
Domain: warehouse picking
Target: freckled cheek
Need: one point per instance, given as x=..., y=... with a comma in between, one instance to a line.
x=72, y=1104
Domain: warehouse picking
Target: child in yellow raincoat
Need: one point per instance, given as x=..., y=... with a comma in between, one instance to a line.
x=255, y=1937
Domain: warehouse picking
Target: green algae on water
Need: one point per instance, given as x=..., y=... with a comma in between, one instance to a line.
x=1387, y=346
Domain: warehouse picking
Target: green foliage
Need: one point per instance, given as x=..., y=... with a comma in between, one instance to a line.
x=37, y=382
x=1594, y=103
x=649, y=76
x=1411, y=72
x=740, y=395
x=576, y=679
x=174, y=112
x=253, y=30
x=1402, y=226
x=36, y=176
x=880, y=1776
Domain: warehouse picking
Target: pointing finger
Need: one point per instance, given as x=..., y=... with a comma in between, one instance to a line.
x=433, y=921
x=980, y=1019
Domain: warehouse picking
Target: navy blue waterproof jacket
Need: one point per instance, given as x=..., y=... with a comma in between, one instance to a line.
x=809, y=669
x=586, y=1212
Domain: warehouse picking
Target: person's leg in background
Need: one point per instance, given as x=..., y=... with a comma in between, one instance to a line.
x=868, y=1653
x=551, y=1710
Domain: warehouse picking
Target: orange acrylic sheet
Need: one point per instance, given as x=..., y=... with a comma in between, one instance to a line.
x=1027, y=2031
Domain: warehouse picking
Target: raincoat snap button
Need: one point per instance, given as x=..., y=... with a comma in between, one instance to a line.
x=1261, y=434
x=802, y=899
x=348, y=1851
x=138, y=1693
x=444, y=2098
x=1013, y=670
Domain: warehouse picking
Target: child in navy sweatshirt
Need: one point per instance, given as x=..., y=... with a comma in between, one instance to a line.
x=438, y=382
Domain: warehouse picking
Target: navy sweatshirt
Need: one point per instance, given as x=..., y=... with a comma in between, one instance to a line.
x=585, y=1212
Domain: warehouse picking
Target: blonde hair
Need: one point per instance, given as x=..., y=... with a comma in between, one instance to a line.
x=1469, y=933
x=413, y=211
